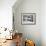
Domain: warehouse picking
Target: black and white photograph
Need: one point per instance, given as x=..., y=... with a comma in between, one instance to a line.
x=28, y=18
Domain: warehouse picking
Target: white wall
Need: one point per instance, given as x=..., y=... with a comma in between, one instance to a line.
x=36, y=32
x=30, y=31
x=43, y=22
x=6, y=13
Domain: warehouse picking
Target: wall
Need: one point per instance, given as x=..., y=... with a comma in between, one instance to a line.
x=29, y=31
x=43, y=22
x=6, y=13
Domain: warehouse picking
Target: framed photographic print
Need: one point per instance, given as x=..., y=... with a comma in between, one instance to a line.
x=28, y=18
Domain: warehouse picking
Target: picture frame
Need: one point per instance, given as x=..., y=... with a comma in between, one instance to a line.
x=28, y=18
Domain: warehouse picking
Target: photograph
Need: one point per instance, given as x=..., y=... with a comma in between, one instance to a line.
x=28, y=18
